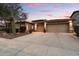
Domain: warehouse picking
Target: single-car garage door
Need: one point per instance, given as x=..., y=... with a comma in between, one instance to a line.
x=57, y=28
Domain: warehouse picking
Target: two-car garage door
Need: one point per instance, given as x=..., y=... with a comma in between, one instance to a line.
x=57, y=28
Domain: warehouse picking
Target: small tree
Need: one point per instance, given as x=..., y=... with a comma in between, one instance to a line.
x=14, y=11
x=10, y=12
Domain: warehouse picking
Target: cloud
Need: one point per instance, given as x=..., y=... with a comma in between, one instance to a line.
x=45, y=11
x=34, y=4
x=50, y=15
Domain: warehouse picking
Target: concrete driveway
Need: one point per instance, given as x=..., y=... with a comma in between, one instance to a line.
x=41, y=44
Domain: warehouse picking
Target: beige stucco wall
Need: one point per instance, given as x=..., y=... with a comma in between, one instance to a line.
x=17, y=25
x=28, y=27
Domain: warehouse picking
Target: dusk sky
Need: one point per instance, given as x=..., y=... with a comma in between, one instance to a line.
x=49, y=10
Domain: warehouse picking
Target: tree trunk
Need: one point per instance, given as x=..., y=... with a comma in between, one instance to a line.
x=20, y=25
x=13, y=27
x=5, y=25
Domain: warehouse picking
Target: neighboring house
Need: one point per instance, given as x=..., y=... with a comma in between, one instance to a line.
x=75, y=18
x=58, y=25
x=2, y=25
x=75, y=21
x=23, y=26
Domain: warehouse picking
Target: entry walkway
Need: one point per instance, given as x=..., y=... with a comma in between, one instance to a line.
x=41, y=44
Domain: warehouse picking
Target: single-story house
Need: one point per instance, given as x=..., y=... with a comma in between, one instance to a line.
x=57, y=25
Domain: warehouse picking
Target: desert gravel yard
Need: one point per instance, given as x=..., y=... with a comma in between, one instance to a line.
x=41, y=44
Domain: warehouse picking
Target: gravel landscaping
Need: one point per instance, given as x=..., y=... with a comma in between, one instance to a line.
x=11, y=35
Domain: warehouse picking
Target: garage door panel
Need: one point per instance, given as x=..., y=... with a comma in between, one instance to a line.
x=57, y=28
